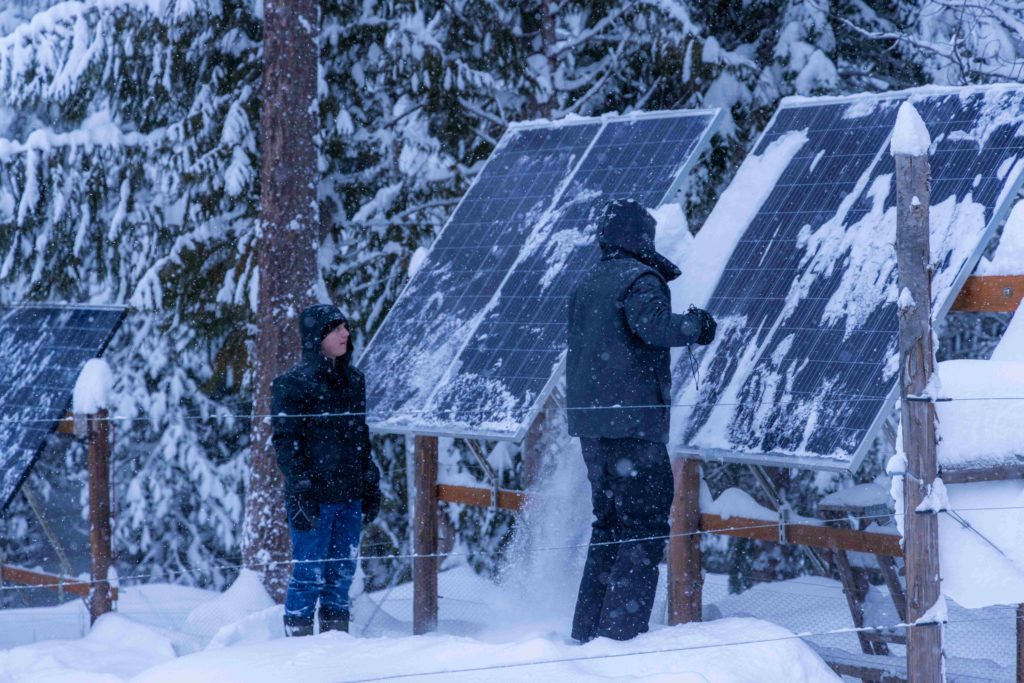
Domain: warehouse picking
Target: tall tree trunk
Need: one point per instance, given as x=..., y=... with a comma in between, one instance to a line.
x=286, y=258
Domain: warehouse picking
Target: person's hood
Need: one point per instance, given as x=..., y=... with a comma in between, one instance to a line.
x=627, y=228
x=315, y=323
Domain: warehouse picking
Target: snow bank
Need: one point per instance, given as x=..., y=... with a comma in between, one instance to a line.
x=245, y=597
x=982, y=562
x=116, y=649
x=92, y=388
x=267, y=624
x=1009, y=256
x=909, y=135
x=1011, y=345
x=718, y=651
x=979, y=426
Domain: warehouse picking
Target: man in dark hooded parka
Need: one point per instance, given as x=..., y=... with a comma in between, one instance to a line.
x=331, y=483
x=621, y=327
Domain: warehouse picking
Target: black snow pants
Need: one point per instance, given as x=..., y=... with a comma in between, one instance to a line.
x=631, y=486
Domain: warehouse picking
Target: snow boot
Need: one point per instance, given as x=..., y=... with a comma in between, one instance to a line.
x=333, y=620
x=295, y=626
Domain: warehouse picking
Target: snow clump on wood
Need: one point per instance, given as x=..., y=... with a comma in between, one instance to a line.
x=909, y=135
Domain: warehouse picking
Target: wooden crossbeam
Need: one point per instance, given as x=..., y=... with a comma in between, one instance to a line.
x=27, y=577
x=743, y=527
x=469, y=495
x=990, y=294
x=805, y=534
x=975, y=474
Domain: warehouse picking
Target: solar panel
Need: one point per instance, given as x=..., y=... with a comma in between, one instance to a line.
x=483, y=364
x=42, y=351
x=804, y=369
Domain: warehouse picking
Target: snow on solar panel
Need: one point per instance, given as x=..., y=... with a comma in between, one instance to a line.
x=42, y=351
x=476, y=340
x=804, y=369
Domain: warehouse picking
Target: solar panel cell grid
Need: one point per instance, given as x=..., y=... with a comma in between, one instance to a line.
x=806, y=364
x=636, y=159
x=42, y=351
x=493, y=360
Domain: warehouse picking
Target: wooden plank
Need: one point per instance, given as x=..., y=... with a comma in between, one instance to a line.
x=66, y=427
x=892, y=581
x=917, y=359
x=970, y=475
x=19, y=576
x=1020, y=643
x=685, y=581
x=855, y=592
x=990, y=294
x=804, y=534
x=471, y=495
x=99, y=514
x=743, y=527
x=425, y=565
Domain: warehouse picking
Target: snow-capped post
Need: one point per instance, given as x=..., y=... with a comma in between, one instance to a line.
x=425, y=563
x=286, y=260
x=910, y=143
x=89, y=400
x=685, y=582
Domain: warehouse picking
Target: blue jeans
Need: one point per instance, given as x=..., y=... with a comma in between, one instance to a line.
x=325, y=561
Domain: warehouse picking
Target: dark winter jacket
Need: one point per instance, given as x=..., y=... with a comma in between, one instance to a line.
x=621, y=327
x=325, y=457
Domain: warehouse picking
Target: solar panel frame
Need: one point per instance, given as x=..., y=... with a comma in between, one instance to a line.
x=716, y=117
x=673, y=190
x=45, y=425
x=1000, y=212
x=398, y=428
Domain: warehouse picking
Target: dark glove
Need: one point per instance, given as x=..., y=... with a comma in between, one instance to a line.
x=302, y=508
x=371, y=507
x=707, y=326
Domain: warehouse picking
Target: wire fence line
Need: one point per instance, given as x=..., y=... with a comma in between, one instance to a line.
x=656, y=651
x=442, y=555
x=697, y=404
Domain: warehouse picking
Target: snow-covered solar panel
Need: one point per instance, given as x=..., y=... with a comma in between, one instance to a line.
x=42, y=351
x=804, y=369
x=475, y=342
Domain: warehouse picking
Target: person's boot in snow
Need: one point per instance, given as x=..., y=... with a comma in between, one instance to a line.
x=331, y=620
x=297, y=626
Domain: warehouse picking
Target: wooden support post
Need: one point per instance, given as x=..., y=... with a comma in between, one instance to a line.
x=921, y=531
x=685, y=582
x=99, y=514
x=425, y=565
x=1020, y=643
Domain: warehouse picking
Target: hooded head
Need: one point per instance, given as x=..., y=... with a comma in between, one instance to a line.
x=626, y=227
x=315, y=323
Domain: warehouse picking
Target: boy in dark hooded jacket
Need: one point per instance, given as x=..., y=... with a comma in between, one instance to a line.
x=618, y=381
x=331, y=483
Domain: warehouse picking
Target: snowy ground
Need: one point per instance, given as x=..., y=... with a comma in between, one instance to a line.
x=172, y=634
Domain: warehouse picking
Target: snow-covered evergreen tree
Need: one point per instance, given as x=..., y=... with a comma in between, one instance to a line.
x=129, y=177
x=128, y=174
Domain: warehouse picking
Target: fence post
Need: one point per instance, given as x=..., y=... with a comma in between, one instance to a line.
x=921, y=531
x=99, y=514
x=685, y=582
x=1020, y=643
x=425, y=565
